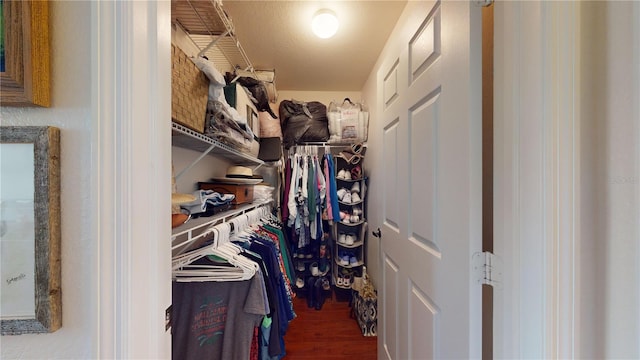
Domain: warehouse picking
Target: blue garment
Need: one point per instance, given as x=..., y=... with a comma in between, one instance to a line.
x=335, y=208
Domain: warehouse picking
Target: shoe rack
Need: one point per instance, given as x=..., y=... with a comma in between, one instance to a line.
x=349, y=233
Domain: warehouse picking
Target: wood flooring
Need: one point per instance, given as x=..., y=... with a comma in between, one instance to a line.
x=327, y=334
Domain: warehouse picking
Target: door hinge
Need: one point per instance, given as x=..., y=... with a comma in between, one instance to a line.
x=487, y=268
x=484, y=3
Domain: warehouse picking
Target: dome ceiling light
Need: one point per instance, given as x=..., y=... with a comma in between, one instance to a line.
x=325, y=24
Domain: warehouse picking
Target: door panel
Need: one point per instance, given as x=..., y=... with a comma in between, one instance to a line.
x=390, y=301
x=423, y=125
x=391, y=161
x=427, y=92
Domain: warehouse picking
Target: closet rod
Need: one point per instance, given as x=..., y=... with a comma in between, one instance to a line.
x=189, y=235
x=325, y=144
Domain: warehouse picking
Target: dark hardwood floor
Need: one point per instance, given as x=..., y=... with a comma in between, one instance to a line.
x=327, y=334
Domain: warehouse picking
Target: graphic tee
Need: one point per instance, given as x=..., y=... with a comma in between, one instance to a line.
x=216, y=320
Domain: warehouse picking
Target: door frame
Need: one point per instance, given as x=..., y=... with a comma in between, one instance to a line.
x=130, y=169
x=537, y=179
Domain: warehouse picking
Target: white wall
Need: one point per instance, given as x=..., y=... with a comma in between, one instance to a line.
x=70, y=111
x=610, y=171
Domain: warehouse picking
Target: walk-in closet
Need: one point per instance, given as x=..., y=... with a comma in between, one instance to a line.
x=269, y=206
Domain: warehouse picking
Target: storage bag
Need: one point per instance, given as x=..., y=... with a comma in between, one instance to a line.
x=348, y=122
x=303, y=122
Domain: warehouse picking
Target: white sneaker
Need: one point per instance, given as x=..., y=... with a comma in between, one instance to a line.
x=357, y=211
x=354, y=218
x=347, y=198
x=355, y=198
x=347, y=175
x=341, y=193
x=350, y=239
x=342, y=174
x=314, y=269
x=342, y=238
x=356, y=187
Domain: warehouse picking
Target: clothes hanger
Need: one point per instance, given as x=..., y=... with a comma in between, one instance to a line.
x=241, y=269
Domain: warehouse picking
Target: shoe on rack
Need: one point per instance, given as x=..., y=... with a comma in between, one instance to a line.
x=355, y=198
x=299, y=282
x=357, y=211
x=342, y=174
x=347, y=175
x=354, y=218
x=339, y=280
x=349, y=239
x=356, y=172
x=347, y=198
x=300, y=266
x=341, y=193
x=344, y=259
x=346, y=280
x=353, y=261
x=355, y=188
x=314, y=269
x=342, y=238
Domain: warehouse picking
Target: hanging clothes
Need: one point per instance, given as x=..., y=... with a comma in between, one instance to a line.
x=232, y=315
x=216, y=320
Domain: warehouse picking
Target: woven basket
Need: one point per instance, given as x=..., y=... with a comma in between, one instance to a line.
x=189, y=91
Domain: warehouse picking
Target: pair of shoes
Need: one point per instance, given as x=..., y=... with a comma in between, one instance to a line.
x=344, y=174
x=343, y=280
x=349, y=197
x=347, y=239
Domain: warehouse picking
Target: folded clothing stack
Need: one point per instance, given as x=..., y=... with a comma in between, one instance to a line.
x=207, y=203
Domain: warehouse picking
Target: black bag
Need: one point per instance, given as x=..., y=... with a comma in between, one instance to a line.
x=303, y=122
x=259, y=92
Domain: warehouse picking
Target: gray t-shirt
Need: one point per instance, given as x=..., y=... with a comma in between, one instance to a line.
x=216, y=320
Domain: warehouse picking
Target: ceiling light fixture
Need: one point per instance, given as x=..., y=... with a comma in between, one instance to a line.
x=325, y=23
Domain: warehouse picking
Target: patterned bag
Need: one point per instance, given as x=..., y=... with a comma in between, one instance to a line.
x=365, y=307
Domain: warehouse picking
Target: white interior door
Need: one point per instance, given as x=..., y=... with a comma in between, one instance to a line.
x=429, y=87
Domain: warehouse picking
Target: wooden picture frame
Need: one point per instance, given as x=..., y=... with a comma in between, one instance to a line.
x=30, y=230
x=25, y=80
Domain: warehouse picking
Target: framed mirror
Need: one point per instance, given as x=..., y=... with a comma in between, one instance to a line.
x=30, y=296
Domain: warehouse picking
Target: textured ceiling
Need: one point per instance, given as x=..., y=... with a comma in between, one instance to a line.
x=277, y=35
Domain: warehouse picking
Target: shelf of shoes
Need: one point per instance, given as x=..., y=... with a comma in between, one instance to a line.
x=349, y=233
